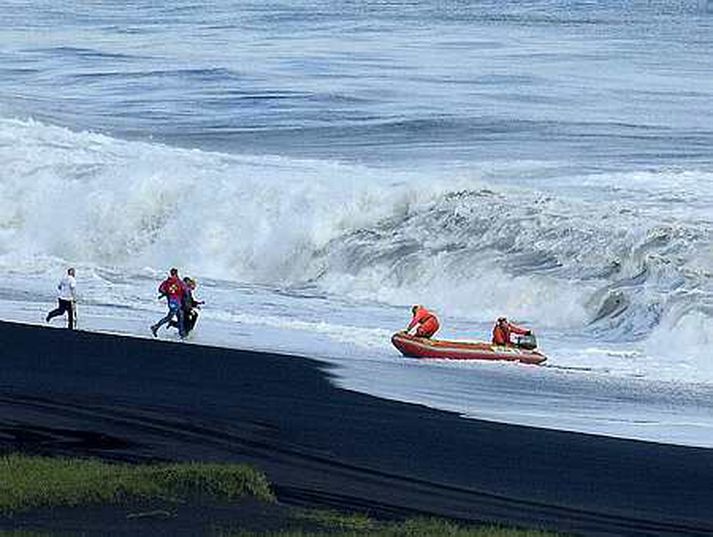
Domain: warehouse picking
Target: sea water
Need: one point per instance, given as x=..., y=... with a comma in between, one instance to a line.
x=319, y=166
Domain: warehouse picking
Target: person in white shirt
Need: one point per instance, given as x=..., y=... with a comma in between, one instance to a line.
x=66, y=295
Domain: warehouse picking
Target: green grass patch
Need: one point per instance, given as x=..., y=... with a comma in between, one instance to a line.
x=335, y=525
x=41, y=482
x=335, y=521
x=33, y=482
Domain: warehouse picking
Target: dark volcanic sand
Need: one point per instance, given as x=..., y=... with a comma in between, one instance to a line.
x=87, y=394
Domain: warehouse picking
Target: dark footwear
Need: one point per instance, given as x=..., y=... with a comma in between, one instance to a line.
x=154, y=328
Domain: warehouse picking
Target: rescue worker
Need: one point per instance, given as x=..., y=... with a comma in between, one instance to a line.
x=503, y=329
x=425, y=322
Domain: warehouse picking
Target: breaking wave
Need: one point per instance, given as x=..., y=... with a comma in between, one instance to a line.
x=632, y=264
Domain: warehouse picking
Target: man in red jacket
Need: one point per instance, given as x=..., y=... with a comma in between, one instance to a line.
x=425, y=322
x=503, y=329
x=173, y=288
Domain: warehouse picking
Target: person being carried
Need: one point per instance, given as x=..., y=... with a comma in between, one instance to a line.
x=190, y=306
x=67, y=298
x=174, y=290
x=424, y=321
x=504, y=329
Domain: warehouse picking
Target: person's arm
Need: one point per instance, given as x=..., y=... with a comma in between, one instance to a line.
x=162, y=289
x=417, y=320
x=518, y=330
x=73, y=289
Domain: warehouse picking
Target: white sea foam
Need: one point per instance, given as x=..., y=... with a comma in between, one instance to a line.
x=612, y=271
x=90, y=197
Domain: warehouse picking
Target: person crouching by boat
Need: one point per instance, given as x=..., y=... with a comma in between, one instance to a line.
x=503, y=330
x=424, y=321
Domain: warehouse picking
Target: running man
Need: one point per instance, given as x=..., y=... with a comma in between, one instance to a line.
x=174, y=289
x=67, y=298
x=190, y=306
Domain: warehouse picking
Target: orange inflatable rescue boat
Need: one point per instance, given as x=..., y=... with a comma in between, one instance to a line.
x=418, y=347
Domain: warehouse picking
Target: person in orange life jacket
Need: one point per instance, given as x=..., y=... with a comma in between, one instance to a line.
x=425, y=322
x=174, y=289
x=503, y=329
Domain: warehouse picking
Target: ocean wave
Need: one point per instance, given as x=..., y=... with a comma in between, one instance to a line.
x=621, y=270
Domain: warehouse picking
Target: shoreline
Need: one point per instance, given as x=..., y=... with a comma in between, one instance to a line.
x=140, y=400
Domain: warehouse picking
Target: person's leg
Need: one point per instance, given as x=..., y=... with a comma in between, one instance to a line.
x=52, y=314
x=59, y=310
x=181, y=322
x=70, y=314
x=186, y=321
x=191, y=318
x=421, y=332
x=166, y=319
x=427, y=329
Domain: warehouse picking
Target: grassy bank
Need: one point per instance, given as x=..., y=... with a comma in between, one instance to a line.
x=35, y=482
x=336, y=525
x=30, y=483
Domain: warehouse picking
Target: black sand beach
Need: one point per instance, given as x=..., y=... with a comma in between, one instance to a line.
x=85, y=394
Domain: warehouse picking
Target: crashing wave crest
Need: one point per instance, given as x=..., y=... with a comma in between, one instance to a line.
x=619, y=268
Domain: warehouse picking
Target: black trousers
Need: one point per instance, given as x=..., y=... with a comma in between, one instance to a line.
x=64, y=306
x=189, y=320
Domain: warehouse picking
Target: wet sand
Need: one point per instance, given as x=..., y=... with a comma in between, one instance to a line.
x=121, y=398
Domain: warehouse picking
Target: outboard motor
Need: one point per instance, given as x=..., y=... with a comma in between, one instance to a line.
x=527, y=342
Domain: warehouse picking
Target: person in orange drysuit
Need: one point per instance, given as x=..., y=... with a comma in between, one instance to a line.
x=503, y=329
x=425, y=322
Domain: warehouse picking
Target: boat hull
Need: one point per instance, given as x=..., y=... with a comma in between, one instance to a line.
x=418, y=347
